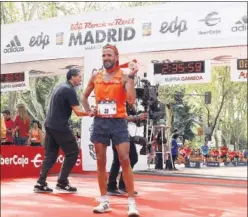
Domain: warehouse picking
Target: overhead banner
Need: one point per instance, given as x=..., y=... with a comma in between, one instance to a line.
x=169, y=26
x=239, y=70
x=14, y=81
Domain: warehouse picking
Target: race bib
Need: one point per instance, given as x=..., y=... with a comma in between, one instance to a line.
x=107, y=108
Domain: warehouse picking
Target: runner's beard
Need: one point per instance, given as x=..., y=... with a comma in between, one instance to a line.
x=108, y=65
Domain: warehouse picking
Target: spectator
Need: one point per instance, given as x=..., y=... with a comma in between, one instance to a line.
x=22, y=123
x=3, y=129
x=216, y=154
x=204, y=152
x=174, y=149
x=236, y=155
x=10, y=127
x=231, y=155
x=188, y=152
x=245, y=153
x=35, y=134
x=240, y=155
x=223, y=151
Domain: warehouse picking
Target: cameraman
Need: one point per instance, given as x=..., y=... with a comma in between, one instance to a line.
x=133, y=156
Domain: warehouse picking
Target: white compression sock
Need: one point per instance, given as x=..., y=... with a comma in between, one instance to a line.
x=131, y=200
x=104, y=198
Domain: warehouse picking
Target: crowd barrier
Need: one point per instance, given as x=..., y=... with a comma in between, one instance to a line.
x=25, y=161
x=198, y=164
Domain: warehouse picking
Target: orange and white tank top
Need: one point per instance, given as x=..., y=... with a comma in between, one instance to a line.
x=110, y=96
x=35, y=136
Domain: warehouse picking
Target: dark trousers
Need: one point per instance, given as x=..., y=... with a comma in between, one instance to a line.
x=174, y=158
x=159, y=161
x=115, y=168
x=168, y=162
x=53, y=141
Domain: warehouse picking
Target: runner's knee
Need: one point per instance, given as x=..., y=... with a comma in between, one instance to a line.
x=124, y=160
x=101, y=162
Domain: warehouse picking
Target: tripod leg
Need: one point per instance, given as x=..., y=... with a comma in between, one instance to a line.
x=163, y=148
x=149, y=142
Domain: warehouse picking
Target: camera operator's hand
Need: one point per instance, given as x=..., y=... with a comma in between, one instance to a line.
x=143, y=116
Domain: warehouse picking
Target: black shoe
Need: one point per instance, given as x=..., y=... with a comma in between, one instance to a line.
x=125, y=191
x=66, y=188
x=115, y=192
x=42, y=188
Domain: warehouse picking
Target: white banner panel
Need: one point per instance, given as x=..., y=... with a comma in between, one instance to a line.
x=14, y=81
x=167, y=26
x=239, y=70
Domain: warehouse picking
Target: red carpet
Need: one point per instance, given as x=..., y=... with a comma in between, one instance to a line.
x=157, y=198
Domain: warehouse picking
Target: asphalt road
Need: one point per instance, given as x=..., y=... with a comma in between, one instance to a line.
x=239, y=173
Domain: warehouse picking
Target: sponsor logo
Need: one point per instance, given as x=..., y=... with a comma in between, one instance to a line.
x=213, y=164
x=192, y=164
x=37, y=161
x=174, y=26
x=11, y=86
x=210, y=20
x=183, y=78
x=92, y=151
x=41, y=40
x=165, y=61
x=100, y=36
x=210, y=32
x=89, y=25
x=59, y=38
x=15, y=160
x=146, y=29
x=241, y=163
x=240, y=25
x=14, y=46
x=230, y=164
x=61, y=159
x=109, y=32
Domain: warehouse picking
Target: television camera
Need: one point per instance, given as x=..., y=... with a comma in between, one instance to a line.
x=147, y=95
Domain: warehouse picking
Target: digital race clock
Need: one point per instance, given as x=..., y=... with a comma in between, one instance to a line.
x=12, y=77
x=179, y=67
x=242, y=64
